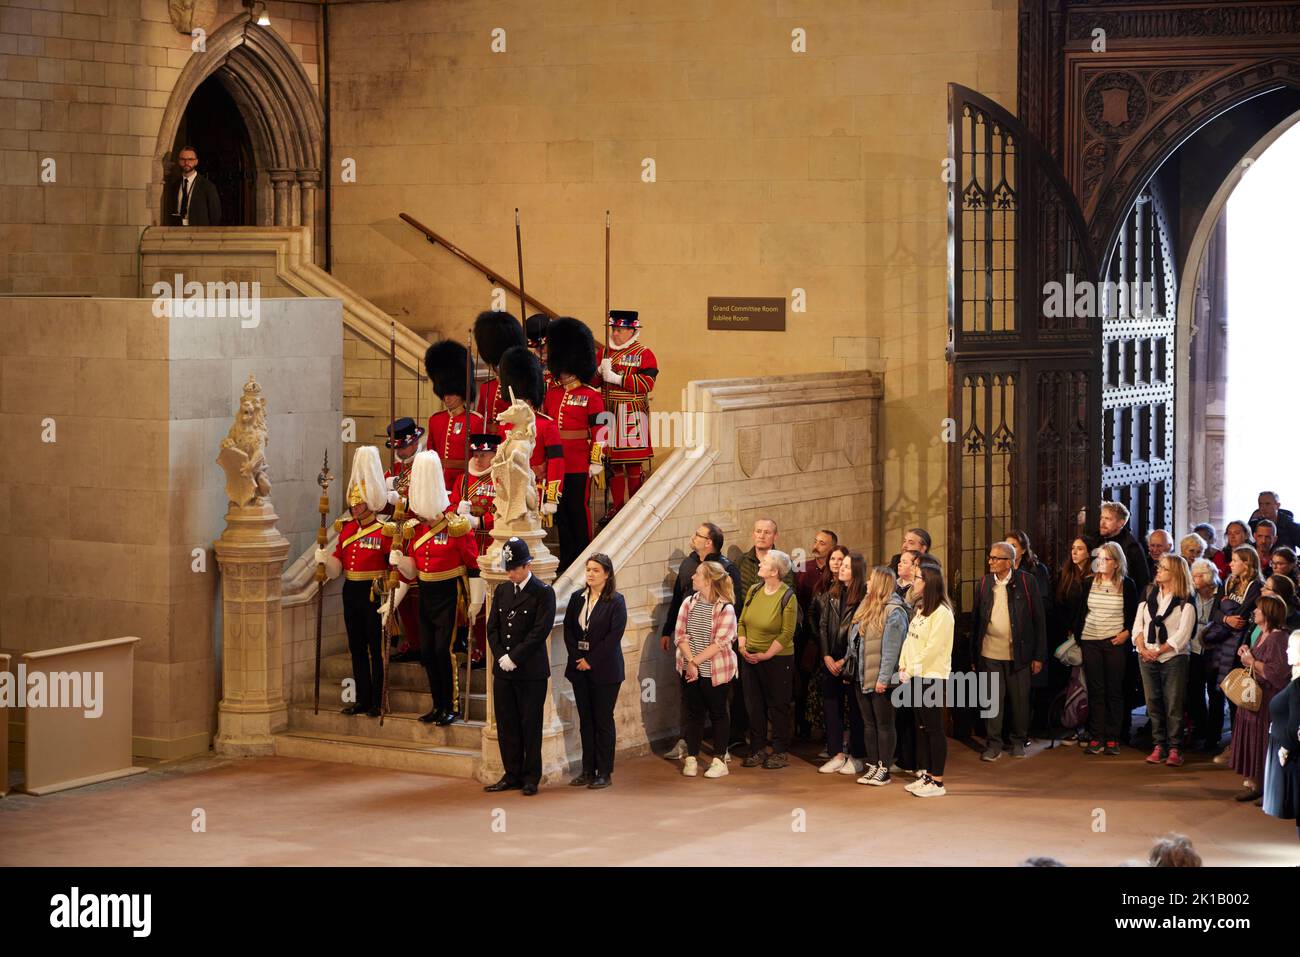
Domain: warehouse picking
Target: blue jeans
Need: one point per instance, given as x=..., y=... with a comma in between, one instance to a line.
x=1165, y=686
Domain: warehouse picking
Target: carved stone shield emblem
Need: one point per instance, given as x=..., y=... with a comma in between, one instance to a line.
x=803, y=437
x=749, y=449
x=855, y=437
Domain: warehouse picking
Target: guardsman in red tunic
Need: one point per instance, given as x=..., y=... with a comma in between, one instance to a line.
x=494, y=333
x=535, y=330
x=521, y=375
x=404, y=439
x=628, y=372
x=579, y=414
x=362, y=556
x=450, y=429
x=474, y=499
x=440, y=554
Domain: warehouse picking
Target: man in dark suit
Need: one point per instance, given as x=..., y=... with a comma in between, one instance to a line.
x=190, y=198
x=519, y=625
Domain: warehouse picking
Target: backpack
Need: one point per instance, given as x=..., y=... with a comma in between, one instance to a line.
x=1069, y=710
x=785, y=600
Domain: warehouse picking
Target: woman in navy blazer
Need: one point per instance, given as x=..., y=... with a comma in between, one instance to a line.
x=593, y=634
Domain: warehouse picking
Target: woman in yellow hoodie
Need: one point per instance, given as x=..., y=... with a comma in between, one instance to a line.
x=926, y=662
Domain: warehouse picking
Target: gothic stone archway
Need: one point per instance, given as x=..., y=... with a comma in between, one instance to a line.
x=279, y=107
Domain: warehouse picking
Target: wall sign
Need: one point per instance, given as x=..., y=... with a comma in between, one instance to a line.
x=747, y=314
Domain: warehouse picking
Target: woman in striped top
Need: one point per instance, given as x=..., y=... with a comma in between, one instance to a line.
x=705, y=636
x=1106, y=612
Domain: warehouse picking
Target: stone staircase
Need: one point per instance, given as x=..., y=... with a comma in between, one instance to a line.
x=401, y=742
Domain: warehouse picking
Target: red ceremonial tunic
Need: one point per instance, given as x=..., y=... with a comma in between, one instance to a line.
x=447, y=437
x=399, y=478
x=490, y=404
x=629, y=402
x=363, y=550
x=482, y=497
x=577, y=412
x=443, y=550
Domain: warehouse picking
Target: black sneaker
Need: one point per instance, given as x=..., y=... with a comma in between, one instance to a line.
x=1093, y=747
x=1112, y=747
x=777, y=759
x=754, y=760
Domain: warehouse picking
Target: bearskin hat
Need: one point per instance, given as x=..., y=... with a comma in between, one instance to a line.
x=494, y=333
x=521, y=372
x=535, y=328
x=446, y=362
x=570, y=349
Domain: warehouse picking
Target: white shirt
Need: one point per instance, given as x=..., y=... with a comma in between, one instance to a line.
x=585, y=617
x=520, y=587
x=180, y=193
x=1179, y=627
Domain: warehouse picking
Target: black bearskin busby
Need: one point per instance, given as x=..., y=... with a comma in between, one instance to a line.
x=570, y=349
x=494, y=333
x=521, y=371
x=445, y=362
x=535, y=328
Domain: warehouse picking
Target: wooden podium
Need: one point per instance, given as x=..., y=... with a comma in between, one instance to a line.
x=65, y=748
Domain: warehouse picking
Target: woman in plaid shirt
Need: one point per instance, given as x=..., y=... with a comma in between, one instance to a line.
x=705, y=635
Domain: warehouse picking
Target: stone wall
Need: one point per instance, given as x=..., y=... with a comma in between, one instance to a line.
x=775, y=170
x=86, y=84
x=110, y=498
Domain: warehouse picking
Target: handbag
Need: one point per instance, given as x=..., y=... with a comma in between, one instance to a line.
x=1242, y=689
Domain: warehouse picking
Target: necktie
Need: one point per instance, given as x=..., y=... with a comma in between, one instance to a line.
x=516, y=591
x=185, y=198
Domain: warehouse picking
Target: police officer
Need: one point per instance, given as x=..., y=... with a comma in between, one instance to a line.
x=522, y=616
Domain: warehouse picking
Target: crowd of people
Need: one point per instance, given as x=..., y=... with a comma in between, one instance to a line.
x=768, y=651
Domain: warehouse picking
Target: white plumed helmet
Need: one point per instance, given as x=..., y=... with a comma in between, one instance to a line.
x=367, y=483
x=428, y=491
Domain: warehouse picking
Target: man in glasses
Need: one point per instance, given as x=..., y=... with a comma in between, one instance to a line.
x=1010, y=645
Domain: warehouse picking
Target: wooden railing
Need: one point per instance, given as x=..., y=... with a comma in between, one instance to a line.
x=492, y=275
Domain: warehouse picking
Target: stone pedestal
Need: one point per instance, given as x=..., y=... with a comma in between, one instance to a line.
x=251, y=553
x=490, y=570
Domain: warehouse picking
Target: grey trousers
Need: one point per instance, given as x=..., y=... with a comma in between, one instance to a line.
x=1011, y=693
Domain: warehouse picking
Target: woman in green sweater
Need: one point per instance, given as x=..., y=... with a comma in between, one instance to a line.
x=766, y=640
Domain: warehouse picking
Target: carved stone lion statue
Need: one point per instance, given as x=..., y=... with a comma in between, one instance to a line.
x=516, y=488
x=243, y=450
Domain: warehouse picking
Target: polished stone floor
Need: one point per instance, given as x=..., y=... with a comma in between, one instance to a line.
x=271, y=811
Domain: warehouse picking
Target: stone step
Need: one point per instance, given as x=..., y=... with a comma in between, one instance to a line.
x=398, y=727
x=403, y=675
x=378, y=753
x=400, y=701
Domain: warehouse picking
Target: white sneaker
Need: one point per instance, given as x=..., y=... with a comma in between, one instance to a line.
x=718, y=769
x=678, y=752
x=833, y=765
x=919, y=783
x=823, y=753
x=930, y=789
x=691, y=768
x=852, y=766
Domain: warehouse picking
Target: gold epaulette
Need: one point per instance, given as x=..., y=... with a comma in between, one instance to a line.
x=457, y=525
x=390, y=529
x=339, y=523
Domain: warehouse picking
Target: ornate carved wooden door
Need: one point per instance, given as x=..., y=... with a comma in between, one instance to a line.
x=1024, y=363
